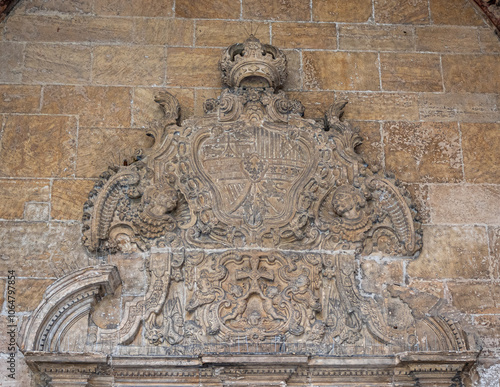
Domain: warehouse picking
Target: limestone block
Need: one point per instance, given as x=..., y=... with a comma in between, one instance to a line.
x=340, y=70
x=68, y=197
x=30, y=293
x=489, y=41
x=19, y=99
x=192, y=67
x=494, y=243
x=410, y=72
x=61, y=6
x=222, y=33
x=341, y=11
x=120, y=65
x=315, y=102
x=201, y=95
x=96, y=106
x=43, y=250
x=211, y=9
x=36, y=212
x=56, y=63
x=458, y=107
x=460, y=73
x=277, y=10
x=145, y=111
x=99, y=149
x=36, y=28
x=305, y=35
x=447, y=39
x=423, y=152
x=11, y=61
x=452, y=252
x=376, y=37
x=475, y=297
x=15, y=193
x=150, y=8
x=371, y=148
x=461, y=13
x=401, y=12
x=46, y=146
x=481, y=144
x=380, y=106
x=377, y=275
x=465, y=204
x=156, y=31
x=294, y=78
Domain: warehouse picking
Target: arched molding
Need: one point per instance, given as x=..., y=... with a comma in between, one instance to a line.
x=65, y=302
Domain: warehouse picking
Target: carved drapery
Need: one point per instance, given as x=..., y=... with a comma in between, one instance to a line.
x=252, y=221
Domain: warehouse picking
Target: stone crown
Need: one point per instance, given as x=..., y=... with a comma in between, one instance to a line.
x=253, y=64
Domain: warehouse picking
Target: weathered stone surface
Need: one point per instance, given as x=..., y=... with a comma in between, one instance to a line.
x=380, y=106
x=410, y=72
x=423, y=152
x=277, y=10
x=192, y=67
x=434, y=288
x=43, y=250
x=481, y=144
x=371, y=148
x=95, y=105
x=452, y=252
x=461, y=13
x=3, y=284
x=60, y=6
x=465, y=204
x=47, y=143
x=201, y=95
x=212, y=9
x=150, y=8
x=106, y=314
x=475, y=297
x=171, y=32
x=376, y=37
x=459, y=70
x=447, y=39
x=341, y=11
x=402, y=12
x=19, y=99
x=305, y=35
x=489, y=41
x=15, y=193
x=376, y=275
x=99, y=149
x=315, y=102
x=45, y=28
x=294, y=78
x=11, y=61
x=68, y=197
x=32, y=293
x=494, y=244
x=458, y=107
x=120, y=65
x=144, y=111
x=36, y=212
x=55, y=63
x=222, y=33
x=133, y=273
x=420, y=197
x=340, y=70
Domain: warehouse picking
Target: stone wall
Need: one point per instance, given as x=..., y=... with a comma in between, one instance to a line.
x=78, y=77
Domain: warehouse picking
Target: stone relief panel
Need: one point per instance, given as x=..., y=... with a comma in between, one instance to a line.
x=252, y=221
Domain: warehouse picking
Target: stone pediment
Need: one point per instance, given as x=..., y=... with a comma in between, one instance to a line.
x=252, y=221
